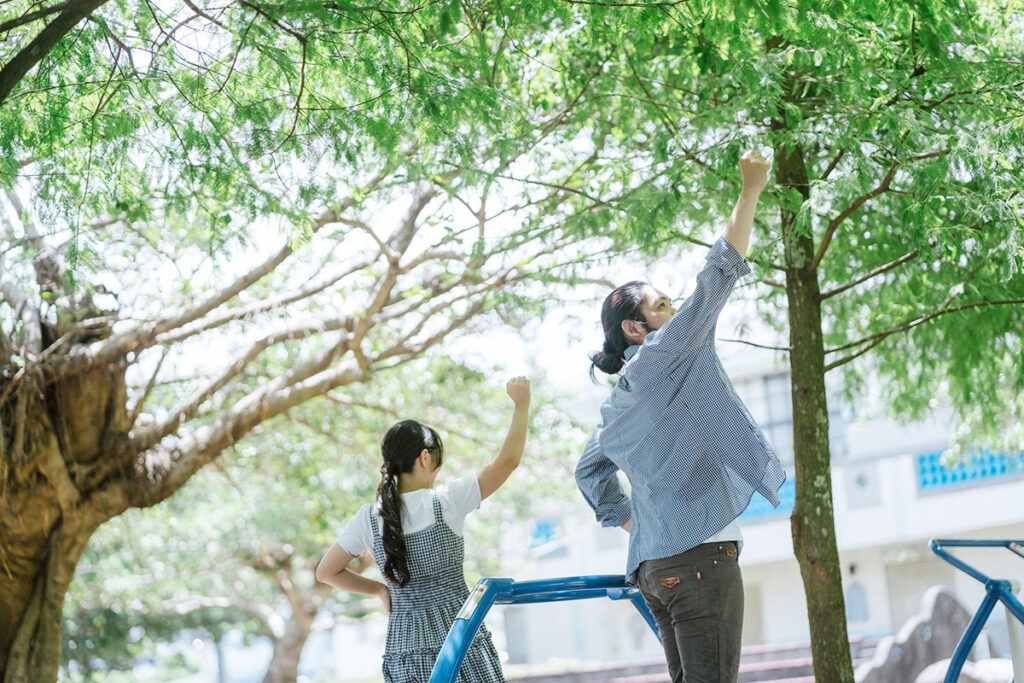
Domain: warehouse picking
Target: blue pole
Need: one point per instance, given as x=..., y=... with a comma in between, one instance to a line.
x=956, y=663
x=995, y=591
x=462, y=632
x=489, y=592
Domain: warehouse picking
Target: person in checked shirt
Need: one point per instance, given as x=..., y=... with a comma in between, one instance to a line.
x=692, y=453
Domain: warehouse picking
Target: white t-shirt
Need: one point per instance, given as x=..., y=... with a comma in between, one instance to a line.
x=731, y=532
x=458, y=498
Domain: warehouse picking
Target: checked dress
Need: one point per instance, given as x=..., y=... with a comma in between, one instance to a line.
x=424, y=609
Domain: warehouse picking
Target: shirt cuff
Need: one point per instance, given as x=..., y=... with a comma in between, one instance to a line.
x=618, y=515
x=724, y=256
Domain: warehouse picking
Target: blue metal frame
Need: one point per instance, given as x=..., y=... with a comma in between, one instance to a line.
x=995, y=591
x=489, y=592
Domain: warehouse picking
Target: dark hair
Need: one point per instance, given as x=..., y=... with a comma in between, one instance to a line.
x=622, y=304
x=400, y=447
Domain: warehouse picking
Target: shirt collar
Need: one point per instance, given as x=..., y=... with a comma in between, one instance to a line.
x=630, y=351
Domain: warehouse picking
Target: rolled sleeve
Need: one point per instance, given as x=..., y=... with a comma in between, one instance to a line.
x=725, y=257
x=695, y=321
x=597, y=480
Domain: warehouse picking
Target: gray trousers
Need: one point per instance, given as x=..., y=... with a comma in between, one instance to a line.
x=697, y=599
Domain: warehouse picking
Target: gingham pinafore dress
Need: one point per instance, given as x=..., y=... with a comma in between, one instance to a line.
x=424, y=609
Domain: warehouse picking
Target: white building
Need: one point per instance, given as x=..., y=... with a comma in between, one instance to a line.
x=892, y=493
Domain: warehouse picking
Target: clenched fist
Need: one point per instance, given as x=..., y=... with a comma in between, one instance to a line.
x=754, y=169
x=519, y=390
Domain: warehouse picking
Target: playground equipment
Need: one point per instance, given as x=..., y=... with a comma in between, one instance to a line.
x=996, y=590
x=490, y=592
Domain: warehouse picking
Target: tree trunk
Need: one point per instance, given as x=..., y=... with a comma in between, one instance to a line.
x=813, y=522
x=284, y=664
x=33, y=651
x=59, y=436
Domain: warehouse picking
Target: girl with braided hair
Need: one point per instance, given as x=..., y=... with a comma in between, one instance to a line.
x=415, y=534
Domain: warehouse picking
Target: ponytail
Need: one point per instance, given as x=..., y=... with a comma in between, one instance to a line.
x=396, y=567
x=400, y=448
x=624, y=303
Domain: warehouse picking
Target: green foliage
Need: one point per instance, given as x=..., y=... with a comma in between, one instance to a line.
x=909, y=121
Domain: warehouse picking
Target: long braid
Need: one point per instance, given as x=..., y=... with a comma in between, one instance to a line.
x=396, y=568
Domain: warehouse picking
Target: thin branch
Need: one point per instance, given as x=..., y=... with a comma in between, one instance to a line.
x=874, y=273
x=31, y=325
x=49, y=271
x=876, y=338
x=849, y=210
x=228, y=316
x=149, y=388
x=760, y=346
x=832, y=164
x=32, y=16
x=350, y=402
x=150, y=437
x=146, y=334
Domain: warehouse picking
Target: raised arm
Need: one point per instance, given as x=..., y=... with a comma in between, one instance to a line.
x=494, y=475
x=695, y=320
x=754, y=171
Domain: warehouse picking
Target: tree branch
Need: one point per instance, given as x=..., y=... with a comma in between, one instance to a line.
x=31, y=325
x=149, y=438
x=30, y=55
x=760, y=346
x=877, y=338
x=49, y=270
x=137, y=409
x=849, y=210
x=32, y=16
x=874, y=273
x=259, y=307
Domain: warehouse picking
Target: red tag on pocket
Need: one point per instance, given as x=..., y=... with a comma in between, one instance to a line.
x=698, y=576
x=670, y=581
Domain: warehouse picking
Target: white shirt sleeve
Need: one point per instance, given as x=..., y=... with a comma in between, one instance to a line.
x=459, y=498
x=357, y=537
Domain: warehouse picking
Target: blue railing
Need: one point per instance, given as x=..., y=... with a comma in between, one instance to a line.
x=996, y=590
x=932, y=474
x=760, y=508
x=489, y=592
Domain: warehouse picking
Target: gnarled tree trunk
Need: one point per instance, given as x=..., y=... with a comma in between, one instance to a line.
x=62, y=440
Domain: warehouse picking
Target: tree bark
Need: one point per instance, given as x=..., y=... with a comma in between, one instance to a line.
x=69, y=423
x=284, y=664
x=305, y=604
x=813, y=522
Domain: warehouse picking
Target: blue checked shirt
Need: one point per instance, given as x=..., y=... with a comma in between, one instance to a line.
x=674, y=425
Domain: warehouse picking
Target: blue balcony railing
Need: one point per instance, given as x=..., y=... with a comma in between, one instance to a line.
x=981, y=465
x=760, y=508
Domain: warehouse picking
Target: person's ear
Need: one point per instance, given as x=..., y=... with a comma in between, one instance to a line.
x=634, y=330
x=426, y=460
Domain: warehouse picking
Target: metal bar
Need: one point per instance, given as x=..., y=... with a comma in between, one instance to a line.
x=489, y=592
x=956, y=663
x=641, y=607
x=1015, y=632
x=568, y=583
x=995, y=591
x=467, y=623
x=938, y=547
x=553, y=596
